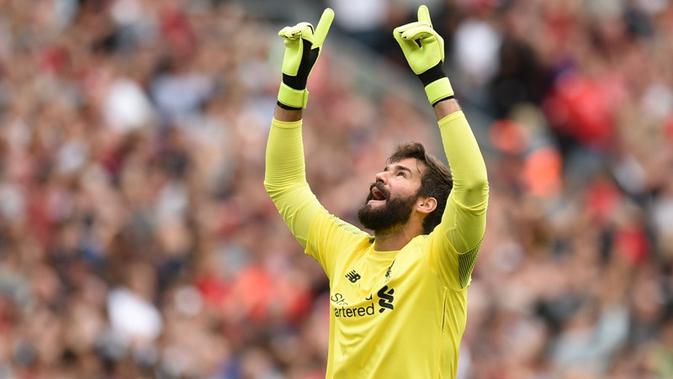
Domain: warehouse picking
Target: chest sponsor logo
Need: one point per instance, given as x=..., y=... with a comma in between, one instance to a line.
x=353, y=276
x=385, y=302
x=339, y=300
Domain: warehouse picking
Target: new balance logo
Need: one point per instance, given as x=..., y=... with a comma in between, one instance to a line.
x=386, y=298
x=353, y=276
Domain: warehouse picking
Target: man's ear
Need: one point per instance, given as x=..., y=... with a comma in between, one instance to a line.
x=426, y=204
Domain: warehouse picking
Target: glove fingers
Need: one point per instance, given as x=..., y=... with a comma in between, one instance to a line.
x=289, y=32
x=407, y=31
x=397, y=33
x=301, y=30
x=418, y=31
x=424, y=15
x=403, y=28
x=323, y=26
x=285, y=32
x=405, y=44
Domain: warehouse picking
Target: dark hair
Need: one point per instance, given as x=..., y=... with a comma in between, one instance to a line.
x=436, y=181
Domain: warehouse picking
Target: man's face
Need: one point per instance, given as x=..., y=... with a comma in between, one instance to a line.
x=392, y=197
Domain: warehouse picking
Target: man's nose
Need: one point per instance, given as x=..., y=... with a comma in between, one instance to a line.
x=381, y=176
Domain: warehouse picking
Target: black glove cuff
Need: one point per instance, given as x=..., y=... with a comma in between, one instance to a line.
x=432, y=74
x=443, y=99
x=287, y=107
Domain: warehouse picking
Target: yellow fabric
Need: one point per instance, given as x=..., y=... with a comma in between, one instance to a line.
x=292, y=97
x=394, y=314
x=439, y=89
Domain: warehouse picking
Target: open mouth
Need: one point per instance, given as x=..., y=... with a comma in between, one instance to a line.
x=377, y=193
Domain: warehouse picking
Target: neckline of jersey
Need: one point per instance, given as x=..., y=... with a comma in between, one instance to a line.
x=382, y=254
x=386, y=254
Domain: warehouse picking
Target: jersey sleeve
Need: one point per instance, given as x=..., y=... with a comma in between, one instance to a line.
x=454, y=244
x=315, y=229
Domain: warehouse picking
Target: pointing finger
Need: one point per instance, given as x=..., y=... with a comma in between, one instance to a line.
x=424, y=15
x=323, y=27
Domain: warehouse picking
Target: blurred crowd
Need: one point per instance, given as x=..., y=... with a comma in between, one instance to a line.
x=136, y=240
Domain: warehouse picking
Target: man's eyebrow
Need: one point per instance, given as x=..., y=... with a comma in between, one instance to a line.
x=398, y=167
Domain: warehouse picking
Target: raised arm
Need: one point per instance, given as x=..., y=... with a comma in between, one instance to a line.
x=285, y=176
x=464, y=218
x=317, y=231
x=455, y=241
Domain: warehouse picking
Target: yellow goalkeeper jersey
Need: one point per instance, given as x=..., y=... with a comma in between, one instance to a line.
x=393, y=314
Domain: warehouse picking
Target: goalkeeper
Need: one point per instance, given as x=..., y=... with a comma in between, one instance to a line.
x=398, y=296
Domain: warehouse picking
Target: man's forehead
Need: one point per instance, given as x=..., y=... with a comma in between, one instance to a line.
x=411, y=164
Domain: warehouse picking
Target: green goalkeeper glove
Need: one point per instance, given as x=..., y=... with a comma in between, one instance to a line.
x=423, y=48
x=302, y=48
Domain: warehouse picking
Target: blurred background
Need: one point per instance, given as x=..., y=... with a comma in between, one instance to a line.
x=136, y=240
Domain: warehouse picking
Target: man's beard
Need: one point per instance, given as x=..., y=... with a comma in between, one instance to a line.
x=394, y=212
